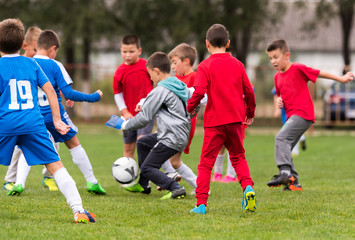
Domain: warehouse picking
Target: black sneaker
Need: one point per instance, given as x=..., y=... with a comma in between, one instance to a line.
x=174, y=194
x=282, y=179
x=303, y=145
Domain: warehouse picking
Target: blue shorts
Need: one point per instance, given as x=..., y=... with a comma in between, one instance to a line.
x=59, y=137
x=130, y=136
x=37, y=148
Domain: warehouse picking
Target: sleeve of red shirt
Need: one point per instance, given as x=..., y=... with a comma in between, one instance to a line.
x=311, y=73
x=249, y=96
x=116, y=84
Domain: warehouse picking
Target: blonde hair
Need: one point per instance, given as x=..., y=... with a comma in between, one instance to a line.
x=32, y=34
x=184, y=51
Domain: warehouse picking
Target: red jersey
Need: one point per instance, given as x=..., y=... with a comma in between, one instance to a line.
x=134, y=82
x=224, y=79
x=292, y=87
x=188, y=79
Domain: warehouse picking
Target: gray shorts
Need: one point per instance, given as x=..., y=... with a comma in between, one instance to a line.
x=130, y=136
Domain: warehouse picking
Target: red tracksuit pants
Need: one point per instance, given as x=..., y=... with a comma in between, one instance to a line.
x=231, y=136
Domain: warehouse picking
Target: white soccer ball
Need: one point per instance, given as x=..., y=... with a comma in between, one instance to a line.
x=125, y=170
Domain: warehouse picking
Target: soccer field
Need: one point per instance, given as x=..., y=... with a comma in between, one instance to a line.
x=324, y=210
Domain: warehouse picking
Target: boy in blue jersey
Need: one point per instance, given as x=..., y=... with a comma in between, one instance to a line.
x=47, y=47
x=20, y=120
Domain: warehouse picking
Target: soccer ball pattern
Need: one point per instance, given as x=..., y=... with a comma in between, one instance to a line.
x=125, y=170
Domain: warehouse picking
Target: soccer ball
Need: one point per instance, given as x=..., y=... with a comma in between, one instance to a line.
x=125, y=170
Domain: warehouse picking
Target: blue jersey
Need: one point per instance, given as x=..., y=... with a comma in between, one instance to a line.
x=20, y=78
x=55, y=75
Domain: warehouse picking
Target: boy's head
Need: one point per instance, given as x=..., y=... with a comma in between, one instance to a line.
x=279, y=55
x=158, y=66
x=30, y=42
x=182, y=59
x=48, y=40
x=130, y=49
x=218, y=36
x=12, y=34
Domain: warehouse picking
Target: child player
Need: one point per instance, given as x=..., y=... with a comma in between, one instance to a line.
x=131, y=83
x=293, y=94
x=29, y=45
x=167, y=101
x=224, y=80
x=20, y=120
x=47, y=47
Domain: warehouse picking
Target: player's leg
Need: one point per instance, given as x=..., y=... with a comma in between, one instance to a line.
x=22, y=172
x=285, y=140
x=10, y=177
x=218, y=166
x=186, y=173
x=48, y=180
x=129, y=140
x=213, y=141
x=234, y=145
x=81, y=159
x=230, y=175
x=7, y=146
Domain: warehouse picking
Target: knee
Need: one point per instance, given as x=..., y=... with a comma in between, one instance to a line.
x=144, y=169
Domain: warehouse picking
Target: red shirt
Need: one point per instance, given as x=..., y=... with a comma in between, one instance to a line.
x=134, y=82
x=224, y=79
x=188, y=79
x=292, y=87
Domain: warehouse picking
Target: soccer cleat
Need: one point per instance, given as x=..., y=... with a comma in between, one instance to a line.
x=201, y=209
x=50, y=183
x=228, y=179
x=16, y=190
x=138, y=188
x=173, y=175
x=281, y=179
x=249, y=202
x=293, y=187
x=95, y=188
x=84, y=217
x=8, y=186
x=174, y=194
x=303, y=145
x=217, y=177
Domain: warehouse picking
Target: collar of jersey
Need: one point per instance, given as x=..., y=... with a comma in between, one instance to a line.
x=12, y=55
x=41, y=56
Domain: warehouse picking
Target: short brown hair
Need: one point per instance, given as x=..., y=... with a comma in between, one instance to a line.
x=12, y=34
x=47, y=39
x=159, y=60
x=278, y=44
x=32, y=34
x=184, y=51
x=217, y=35
x=131, y=39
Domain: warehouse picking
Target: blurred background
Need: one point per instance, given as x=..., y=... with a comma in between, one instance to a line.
x=320, y=34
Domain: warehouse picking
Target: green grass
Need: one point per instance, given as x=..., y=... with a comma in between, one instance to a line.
x=324, y=210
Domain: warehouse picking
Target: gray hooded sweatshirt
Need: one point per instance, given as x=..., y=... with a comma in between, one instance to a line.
x=167, y=102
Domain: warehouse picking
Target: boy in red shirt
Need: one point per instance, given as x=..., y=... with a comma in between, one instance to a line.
x=224, y=80
x=131, y=83
x=293, y=94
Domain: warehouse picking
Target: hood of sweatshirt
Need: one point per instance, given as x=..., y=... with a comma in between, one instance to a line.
x=176, y=86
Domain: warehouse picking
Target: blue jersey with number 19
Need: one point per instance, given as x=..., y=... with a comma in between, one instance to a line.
x=20, y=78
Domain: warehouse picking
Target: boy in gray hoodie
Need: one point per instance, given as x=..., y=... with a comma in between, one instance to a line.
x=167, y=101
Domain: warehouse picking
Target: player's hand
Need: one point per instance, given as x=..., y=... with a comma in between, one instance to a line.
x=248, y=121
x=69, y=103
x=348, y=77
x=61, y=127
x=126, y=114
x=280, y=102
x=99, y=92
x=138, y=108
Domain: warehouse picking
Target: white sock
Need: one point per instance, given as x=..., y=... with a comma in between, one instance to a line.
x=296, y=149
x=67, y=186
x=81, y=159
x=218, y=165
x=187, y=174
x=230, y=169
x=303, y=137
x=167, y=167
x=22, y=171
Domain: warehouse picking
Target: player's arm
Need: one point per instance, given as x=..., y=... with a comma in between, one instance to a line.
x=61, y=127
x=77, y=96
x=348, y=77
x=119, y=100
